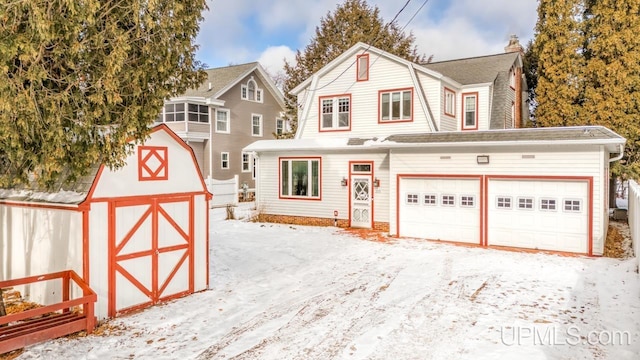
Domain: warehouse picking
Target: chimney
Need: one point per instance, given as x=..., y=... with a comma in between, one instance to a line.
x=514, y=45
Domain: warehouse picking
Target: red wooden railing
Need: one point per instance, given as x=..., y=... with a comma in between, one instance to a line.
x=50, y=321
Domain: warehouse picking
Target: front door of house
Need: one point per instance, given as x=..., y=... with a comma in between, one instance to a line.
x=361, y=195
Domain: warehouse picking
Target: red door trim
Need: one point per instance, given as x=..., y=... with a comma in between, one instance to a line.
x=587, y=179
x=371, y=174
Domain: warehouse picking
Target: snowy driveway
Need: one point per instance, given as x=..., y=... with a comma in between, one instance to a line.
x=290, y=292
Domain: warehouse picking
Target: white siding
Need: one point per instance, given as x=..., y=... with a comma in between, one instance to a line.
x=334, y=196
x=99, y=256
x=550, y=162
x=183, y=173
x=434, y=92
x=484, y=106
x=35, y=241
x=384, y=74
x=200, y=250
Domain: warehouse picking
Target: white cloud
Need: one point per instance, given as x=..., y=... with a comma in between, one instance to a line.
x=272, y=58
x=241, y=31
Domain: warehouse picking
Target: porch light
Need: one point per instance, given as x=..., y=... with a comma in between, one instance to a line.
x=344, y=181
x=376, y=183
x=482, y=159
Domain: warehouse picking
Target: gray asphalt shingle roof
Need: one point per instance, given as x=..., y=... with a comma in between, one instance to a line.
x=219, y=78
x=586, y=133
x=477, y=70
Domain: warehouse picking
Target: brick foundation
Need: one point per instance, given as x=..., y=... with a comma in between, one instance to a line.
x=313, y=221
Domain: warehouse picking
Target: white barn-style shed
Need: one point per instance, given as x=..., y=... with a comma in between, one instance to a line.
x=544, y=189
x=137, y=235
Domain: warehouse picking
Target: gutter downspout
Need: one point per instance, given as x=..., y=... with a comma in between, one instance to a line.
x=620, y=156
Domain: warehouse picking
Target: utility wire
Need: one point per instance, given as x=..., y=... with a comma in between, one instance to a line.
x=364, y=51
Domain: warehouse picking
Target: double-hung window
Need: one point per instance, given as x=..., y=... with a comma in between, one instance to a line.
x=246, y=162
x=300, y=178
x=335, y=113
x=470, y=111
x=222, y=121
x=396, y=105
x=224, y=160
x=449, y=102
x=256, y=125
x=279, y=126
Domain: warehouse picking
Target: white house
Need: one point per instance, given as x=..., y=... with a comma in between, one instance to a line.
x=137, y=235
x=382, y=144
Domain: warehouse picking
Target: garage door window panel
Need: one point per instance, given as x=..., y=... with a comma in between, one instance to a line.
x=503, y=202
x=547, y=204
x=467, y=201
x=572, y=205
x=412, y=199
x=525, y=203
x=448, y=200
x=430, y=200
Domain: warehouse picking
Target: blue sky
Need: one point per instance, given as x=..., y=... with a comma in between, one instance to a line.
x=240, y=31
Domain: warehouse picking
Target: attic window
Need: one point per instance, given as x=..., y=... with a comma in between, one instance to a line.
x=251, y=92
x=363, y=67
x=512, y=78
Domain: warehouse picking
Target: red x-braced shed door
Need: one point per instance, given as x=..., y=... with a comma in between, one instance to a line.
x=151, y=251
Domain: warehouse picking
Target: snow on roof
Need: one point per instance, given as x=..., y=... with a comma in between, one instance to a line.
x=299, y=144
x=596, y=135
x=60, y=197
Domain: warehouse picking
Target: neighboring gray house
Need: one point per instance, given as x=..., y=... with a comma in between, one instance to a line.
x=235, y=106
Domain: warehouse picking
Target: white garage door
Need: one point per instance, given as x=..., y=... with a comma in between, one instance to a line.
x=546, y=215
x=440, y=209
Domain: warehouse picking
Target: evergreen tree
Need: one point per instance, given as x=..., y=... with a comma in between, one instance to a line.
x=558, y=46
x=352, y=22
x=78, y=80
x=612, y=74
x=530, y=69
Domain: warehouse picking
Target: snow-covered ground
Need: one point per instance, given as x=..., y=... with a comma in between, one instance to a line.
x=292, y=292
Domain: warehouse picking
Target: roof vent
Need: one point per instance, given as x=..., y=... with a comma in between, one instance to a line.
x=209, y=85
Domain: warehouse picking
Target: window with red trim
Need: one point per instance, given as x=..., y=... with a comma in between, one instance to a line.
x=153, y=163
x=396, y=105
x=363, y=67
x=470, y=111
x=335, y=113
x=300, y=178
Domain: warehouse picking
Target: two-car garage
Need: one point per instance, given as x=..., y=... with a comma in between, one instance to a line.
x=545, y=213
